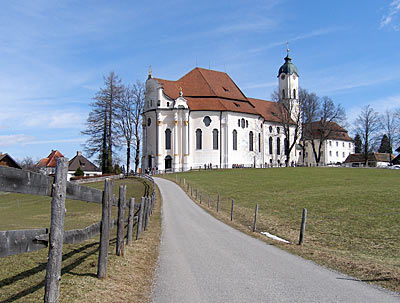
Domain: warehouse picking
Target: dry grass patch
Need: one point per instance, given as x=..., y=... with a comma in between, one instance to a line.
x=129, y=278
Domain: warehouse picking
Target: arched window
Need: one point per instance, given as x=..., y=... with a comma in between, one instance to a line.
x=234, y=139
x=270, y=129
x=286, y=146
x=238, y=122
x=250, y=141
x=247, y=123
x=294, y=93
x=271, y=142
x=259, y=142
x=243, y=123
x=283, y=94
x=278, y=146
x=198, y=139
x=215, y=139
x=167, y=138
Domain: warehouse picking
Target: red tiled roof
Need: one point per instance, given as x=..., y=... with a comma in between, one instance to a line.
x=269, y=110
x=51, y=159
x=336, y=131
x=372, y=157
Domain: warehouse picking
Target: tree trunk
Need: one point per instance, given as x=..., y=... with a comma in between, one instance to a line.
x=128, y=156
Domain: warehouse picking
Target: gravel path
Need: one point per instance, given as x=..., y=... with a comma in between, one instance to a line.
x=204, y=260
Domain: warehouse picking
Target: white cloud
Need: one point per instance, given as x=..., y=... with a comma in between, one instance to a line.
x=391, y=17
x=19, y=139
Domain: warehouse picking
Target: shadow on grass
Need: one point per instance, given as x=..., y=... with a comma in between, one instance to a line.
x=41, y=267
x=369, y=280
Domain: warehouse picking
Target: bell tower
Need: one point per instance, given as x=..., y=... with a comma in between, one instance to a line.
x=288, y=78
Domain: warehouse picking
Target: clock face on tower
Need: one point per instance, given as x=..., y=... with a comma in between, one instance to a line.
x=294, y=77
x=283, y=77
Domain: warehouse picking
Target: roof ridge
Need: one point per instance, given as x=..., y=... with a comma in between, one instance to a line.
x=208, y=84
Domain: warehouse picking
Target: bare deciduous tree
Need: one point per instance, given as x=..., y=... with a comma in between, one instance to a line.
x=390, y=126
x=368, y=125
x=129, y=110
x=100, y=125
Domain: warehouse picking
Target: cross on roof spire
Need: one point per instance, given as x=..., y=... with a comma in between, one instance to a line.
x=287, y=47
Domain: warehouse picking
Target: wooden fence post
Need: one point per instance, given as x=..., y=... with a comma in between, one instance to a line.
x=140, y=219
x=184, y=181
x=208, y=200
x=56, y=238
x=176, y=178
x=303, y=226
x=119, y=250
x=255, y=218
x=218, y=203
x=201, y=197
x=232, y=210
x=130, y=221
x=146, y=212
x=197, y=193
x=104, y=230
x=191, y=190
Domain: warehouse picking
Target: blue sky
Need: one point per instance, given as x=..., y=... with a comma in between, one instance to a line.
x=54, y=54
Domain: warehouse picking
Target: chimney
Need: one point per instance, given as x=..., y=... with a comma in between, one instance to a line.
x=79, y=153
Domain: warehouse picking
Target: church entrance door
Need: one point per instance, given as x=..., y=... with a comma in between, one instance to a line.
x=168, y=162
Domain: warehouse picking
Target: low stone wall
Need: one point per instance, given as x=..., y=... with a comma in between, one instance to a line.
x=98, y=179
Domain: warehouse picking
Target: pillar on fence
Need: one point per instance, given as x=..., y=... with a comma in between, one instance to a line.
x=139, y=225
x=218, y=203
x=104, y=230
x=255, y=218
x=119, y=250
x=303, y=226
x=130, y=221
x=232, y=210
x=56, y=238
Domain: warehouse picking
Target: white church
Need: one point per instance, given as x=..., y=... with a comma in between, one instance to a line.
x=204, y=119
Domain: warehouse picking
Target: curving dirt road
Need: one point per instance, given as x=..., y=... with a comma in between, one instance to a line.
x=204, y=260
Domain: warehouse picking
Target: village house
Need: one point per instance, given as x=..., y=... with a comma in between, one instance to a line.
x=7, y=160
x=87, y=167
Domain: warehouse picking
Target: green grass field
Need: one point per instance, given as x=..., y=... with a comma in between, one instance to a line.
x=22, y=276
x=353, y=222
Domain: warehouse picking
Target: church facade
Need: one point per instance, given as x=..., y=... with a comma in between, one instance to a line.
x=204, y=119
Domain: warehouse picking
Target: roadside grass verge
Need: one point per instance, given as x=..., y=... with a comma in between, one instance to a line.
x=22, y=276
x=353, y=214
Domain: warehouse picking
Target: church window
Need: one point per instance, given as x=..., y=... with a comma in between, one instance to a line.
x=286, y=143
x=343, y=144
x=158, y=103
x=247, y=124
x=337, y=143
x=251, y=141
x=151, y=103
x=306, y=154
x=215, y=139
x=270, y=129
x=294, y=93
x=167, y=104
x=330, y=153
x=349, y=145
x=167, y=138
x=259, y=142
x=283, y=77
x=337, y=154
x=148, y=122
x=343, y=154
x=234, y=139
x=283, y=93
x=243, y=123
x=238, y=122
x=278, y=130
x=330, y=143
x=198, y=139
x=270, y=145
x=207, y=121
x=278, y=146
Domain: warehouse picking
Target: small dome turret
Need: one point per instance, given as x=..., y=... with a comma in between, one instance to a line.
x=288, y=67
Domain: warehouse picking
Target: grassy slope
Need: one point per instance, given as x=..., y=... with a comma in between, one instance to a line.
x=353, y=214
x=21, y=276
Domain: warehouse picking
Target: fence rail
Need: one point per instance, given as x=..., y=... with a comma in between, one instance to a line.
x=14, y=242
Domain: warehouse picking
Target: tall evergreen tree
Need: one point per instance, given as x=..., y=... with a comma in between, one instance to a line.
x=358, y=144
x=100, y=124
x=385, y=146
